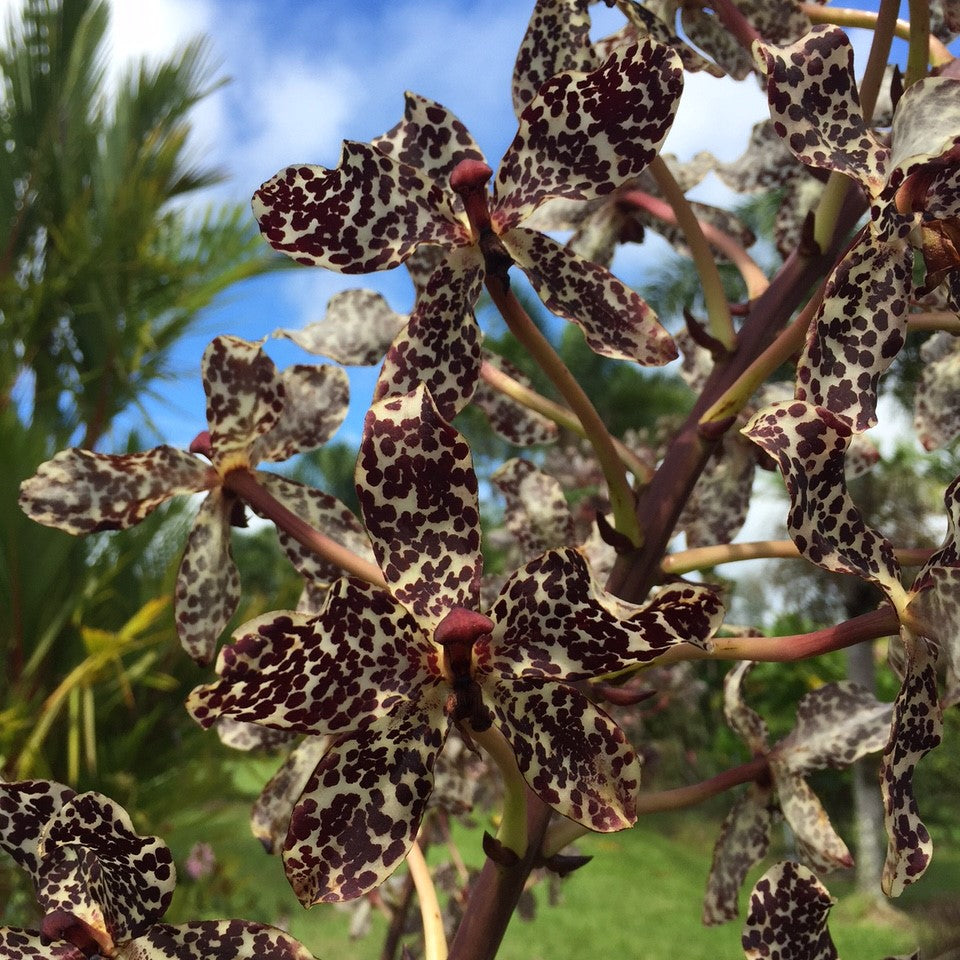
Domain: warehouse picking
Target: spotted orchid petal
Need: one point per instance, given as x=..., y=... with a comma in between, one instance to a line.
x=936, y=588
x=858, y=330
x=357, y=329
x=584, y=134
x=322, y=512
x=836, y=725
x=418, y=497
x=270, y=816
x=743, y=841
x=316, y=398
x=238, y=735
x=740, y=716
x=815, y=107
x=429, y=138
x=536, y=515
x=223, y=939
x=717, y=507
x=334, y=673
x=926, y=127
x=207, y=591
x=557, y=40
x=645, y=22
x=95, y=869
x=359, y=813
x=440, y=346
x=509, y=419
x=572, y=755
x=732, y=59
x=26, y=806
x=916, y=729
x=83, y=492
x=554, y=622
x=29, y=945
x=244, y=398
x=810, y=443
x=615, y=321
x=368, y=214
x=788, y=916
x=936, y=415
x=818, y=843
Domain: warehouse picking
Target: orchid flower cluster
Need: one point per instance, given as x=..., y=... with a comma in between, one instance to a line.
x=403, y=644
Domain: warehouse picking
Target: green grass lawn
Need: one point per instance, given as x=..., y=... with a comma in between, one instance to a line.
x=640, y=897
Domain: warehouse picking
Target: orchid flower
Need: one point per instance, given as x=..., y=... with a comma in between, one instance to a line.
x=254, y=413
x=810, y=445
x=914, y=183
x=103, y=889
x=387, y=672
x=424, y=184
x=836, y=724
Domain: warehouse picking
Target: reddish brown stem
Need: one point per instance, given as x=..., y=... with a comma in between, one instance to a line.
x=661, y=502
x=245, y=485
x=800, y=646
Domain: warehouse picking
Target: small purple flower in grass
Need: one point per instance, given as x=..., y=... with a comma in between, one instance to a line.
x=387, y=672
x=103, y=889
x=424, y=183
x=254, y=413
x=915, y=182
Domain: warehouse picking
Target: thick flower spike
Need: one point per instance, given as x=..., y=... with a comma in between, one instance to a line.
x=861, y=324
x=386, y=673
x=581, y=136
x=253, y=413
x=789, y=907
x=103, y=889
x=836, y=724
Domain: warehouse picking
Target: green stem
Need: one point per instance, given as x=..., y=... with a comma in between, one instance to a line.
x=434, y=940
x=831, y=200
x=559, y=414
x=699, y=558
x=937, y=54
x=719, y=321
x=788, y=344
x=622, y=501
x=919, y=50
x=513, y=825
x=244, y=483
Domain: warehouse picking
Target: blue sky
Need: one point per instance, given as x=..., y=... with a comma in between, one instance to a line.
x=305, y=74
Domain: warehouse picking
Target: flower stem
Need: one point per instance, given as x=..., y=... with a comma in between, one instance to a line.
x=828, y=207
x=513, y=825
x=244, y=483
x=718, y=308
x=525, y=330
x=559, y=414
x=883, y=622
x=698, y=558
x=936, y=52
x=935, y=320
x=789, y=342
x=755, y=279
x=434, y=940
x=919, y=50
